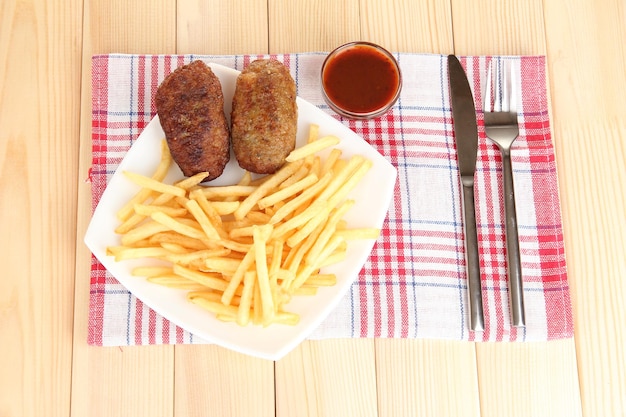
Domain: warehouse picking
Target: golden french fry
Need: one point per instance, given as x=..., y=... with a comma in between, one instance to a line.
x=297, y=221
x=316, y=166
x=333, y=244
x=258, y=217
x=142, y=232
x=215, y=306
x=342, y=176
x=203, y=220
x=345, y=188
x=147, y=209
x=302, y=276
x=314, y=130
x=225, y=266
x=246, y=178
x=177, y=226
x=192, y=181
x=172, y=237
x=129, y=224
x=126, y=253
x=240, y=232
x=174, y=281
x=329, y=230
x=312, y=148
x=238, y=276
x=287, y=192
x=277, y=257
x=210, y=280
x=174, y=248
x=236, y=246
x=154, y=185
x=260, y=180
x=333, y=156
x=336, y=257
x=229, y=191
x=243, y=313
x=208, y=209
x=263, y=189
x=256, y=306
x=223, y=208
x=261, y=234
x=297, y=176
x=127, y=210
x=164, y=163
x=294, y=261
x=136, y=218
x=322, y=280
x=306, y=231
x=211, y=295
x=198, y=255
x=305, y=290
x=152, y=271
x=302, y=199
x=285, y=317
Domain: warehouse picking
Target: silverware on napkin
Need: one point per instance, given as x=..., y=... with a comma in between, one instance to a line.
x=466, y=136
x=501, y=127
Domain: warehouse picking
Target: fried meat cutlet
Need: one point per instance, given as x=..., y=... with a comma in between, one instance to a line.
x=190, y=105
x=264, y=116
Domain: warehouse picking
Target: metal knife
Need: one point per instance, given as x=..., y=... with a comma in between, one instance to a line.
x=466, y=136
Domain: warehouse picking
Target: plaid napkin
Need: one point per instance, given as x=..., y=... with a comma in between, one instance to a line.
x=413, y=285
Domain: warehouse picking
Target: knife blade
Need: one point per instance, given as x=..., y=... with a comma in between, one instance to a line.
x=466, y=138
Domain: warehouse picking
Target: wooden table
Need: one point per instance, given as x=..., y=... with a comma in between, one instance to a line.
x=47, y=369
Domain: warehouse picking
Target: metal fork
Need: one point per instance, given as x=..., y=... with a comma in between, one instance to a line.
x=501, y=127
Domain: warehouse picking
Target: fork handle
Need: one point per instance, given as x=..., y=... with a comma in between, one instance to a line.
x=514, y=267
x=472, y=261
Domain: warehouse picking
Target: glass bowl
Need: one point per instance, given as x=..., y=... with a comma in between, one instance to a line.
x=360, y=80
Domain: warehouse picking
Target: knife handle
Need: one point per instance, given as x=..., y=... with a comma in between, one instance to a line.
x=472, y=261
x=514, y=266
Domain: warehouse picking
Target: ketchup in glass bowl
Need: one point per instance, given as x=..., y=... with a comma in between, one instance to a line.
x=361, y=80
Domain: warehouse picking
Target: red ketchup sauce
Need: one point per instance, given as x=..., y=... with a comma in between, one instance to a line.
x=361, y=79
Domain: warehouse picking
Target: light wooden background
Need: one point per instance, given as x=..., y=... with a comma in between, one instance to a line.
x=46, y=368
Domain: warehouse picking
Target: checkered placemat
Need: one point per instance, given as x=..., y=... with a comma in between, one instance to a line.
x=413, y=285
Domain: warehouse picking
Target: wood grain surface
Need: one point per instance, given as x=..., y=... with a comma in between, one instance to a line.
x=45, y=154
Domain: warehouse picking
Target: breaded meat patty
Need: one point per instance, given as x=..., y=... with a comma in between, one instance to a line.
x=264, y=116
x=190, y=105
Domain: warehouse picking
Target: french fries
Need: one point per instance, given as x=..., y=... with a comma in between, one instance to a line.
x=244, y=251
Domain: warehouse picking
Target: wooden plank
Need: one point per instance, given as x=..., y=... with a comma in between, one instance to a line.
x=488, y=27
x=587, y=66
x=210, y=380
x=594, y=206
x=329, y=377
x=117, y=381
x=426, y=378
x=592, y=151
x=404, y=26
x=213, y=381
x=140, y=27
x=528, y=379
x=312, y=25
x=222, y=27
x=39, y=104
x=130, y=380
x=587, y=72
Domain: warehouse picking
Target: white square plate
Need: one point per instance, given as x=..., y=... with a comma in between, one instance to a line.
x=373, y=196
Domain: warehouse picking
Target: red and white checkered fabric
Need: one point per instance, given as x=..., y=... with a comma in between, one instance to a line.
x=413, y=285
